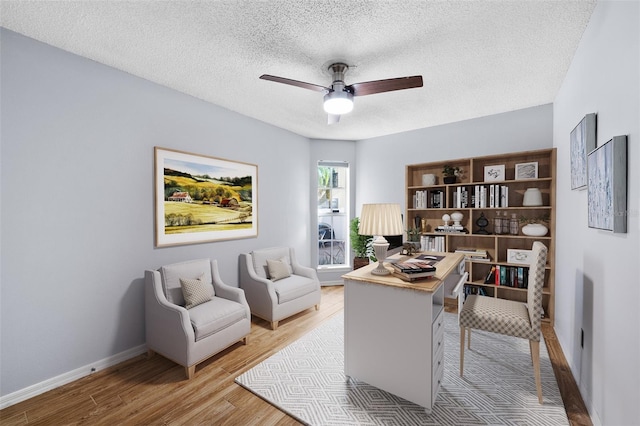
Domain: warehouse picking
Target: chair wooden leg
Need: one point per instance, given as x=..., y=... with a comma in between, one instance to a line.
x=245, y=340
x=469, y=338
x=462, y=329
x=317, y=307
x=535, y=357
x=190, y=371
x=274, y=325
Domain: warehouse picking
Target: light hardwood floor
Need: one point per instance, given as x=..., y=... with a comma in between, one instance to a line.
x=153, y=391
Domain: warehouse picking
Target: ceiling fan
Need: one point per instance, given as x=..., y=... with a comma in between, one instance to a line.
x=338, y=98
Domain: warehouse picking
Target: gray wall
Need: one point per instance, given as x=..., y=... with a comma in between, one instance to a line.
x=77, y=203
x=598, y=289
x=381, y=161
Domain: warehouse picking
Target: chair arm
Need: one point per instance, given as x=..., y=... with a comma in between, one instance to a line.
x=304, y=271
x=230, y=293
x=226, y=291
x=166, y=323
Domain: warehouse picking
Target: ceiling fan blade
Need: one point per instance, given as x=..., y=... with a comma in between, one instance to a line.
x=389, y=85
x=333, y=119
x=296, y=83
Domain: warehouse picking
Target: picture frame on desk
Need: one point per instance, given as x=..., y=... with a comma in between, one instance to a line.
x=494, y=173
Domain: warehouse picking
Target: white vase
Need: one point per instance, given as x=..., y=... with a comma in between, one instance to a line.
x=532, y=197
x=428, y=180
x=535, y=230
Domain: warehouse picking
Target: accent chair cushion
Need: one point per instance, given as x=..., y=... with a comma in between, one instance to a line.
x=498, y=315
x=195, y=291
x=294, y=287
x=278, y=269
x=172, y=273
x=210, y=317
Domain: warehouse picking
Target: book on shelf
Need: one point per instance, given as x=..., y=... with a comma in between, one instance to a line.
x=470, y=289
x=498, y=196
x=474, y=254
x=472, y=251
x=427, y=199
x=454, y=229
x=431, y=243
x=508, y=276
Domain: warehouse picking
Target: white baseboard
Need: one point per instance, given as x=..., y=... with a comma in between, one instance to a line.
x=331, y=283
x=63, y=379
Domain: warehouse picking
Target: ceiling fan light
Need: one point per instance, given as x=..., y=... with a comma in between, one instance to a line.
x=338, y=102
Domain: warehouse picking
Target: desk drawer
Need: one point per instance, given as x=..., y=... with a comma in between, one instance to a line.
x=438, y=335
x=438, y=374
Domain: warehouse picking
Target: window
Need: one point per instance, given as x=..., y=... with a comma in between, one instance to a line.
x=333, y=214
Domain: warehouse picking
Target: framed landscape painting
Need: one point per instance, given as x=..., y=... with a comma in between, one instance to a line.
x=200, y=199
x=583, y=141
x=607, y=186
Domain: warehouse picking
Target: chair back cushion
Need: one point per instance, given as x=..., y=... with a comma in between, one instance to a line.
x=536, y=282
x=191, y=269
x=259, y=258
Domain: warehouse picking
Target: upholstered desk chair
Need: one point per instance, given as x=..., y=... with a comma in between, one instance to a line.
x=509, y=317
x=191, y=314
x=276, y=285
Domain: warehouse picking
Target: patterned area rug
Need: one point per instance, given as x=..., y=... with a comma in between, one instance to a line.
x=306, y=380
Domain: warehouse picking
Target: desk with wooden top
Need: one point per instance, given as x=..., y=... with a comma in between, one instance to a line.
x=394, y=329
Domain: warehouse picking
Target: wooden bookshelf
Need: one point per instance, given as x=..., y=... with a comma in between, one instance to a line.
x=472, y=178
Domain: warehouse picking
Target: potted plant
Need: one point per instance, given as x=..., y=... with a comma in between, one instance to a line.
x=450, y=173
x=360, y=244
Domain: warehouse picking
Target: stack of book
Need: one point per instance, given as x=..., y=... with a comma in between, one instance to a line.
x=459, y=229
x=474, y=254
x=413, y=269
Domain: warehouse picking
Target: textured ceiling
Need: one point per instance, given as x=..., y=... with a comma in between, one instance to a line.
x=476, y=57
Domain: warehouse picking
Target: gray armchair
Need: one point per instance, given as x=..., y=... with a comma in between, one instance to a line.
x=189, y=336
x=274, y=298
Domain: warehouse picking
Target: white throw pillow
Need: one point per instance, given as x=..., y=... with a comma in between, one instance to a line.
x=278, y=269
x=195, y=291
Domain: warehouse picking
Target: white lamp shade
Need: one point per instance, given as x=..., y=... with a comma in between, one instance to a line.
x=381, y=219
x=338, y=102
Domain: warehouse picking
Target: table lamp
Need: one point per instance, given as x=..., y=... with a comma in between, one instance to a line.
x=379, y=220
